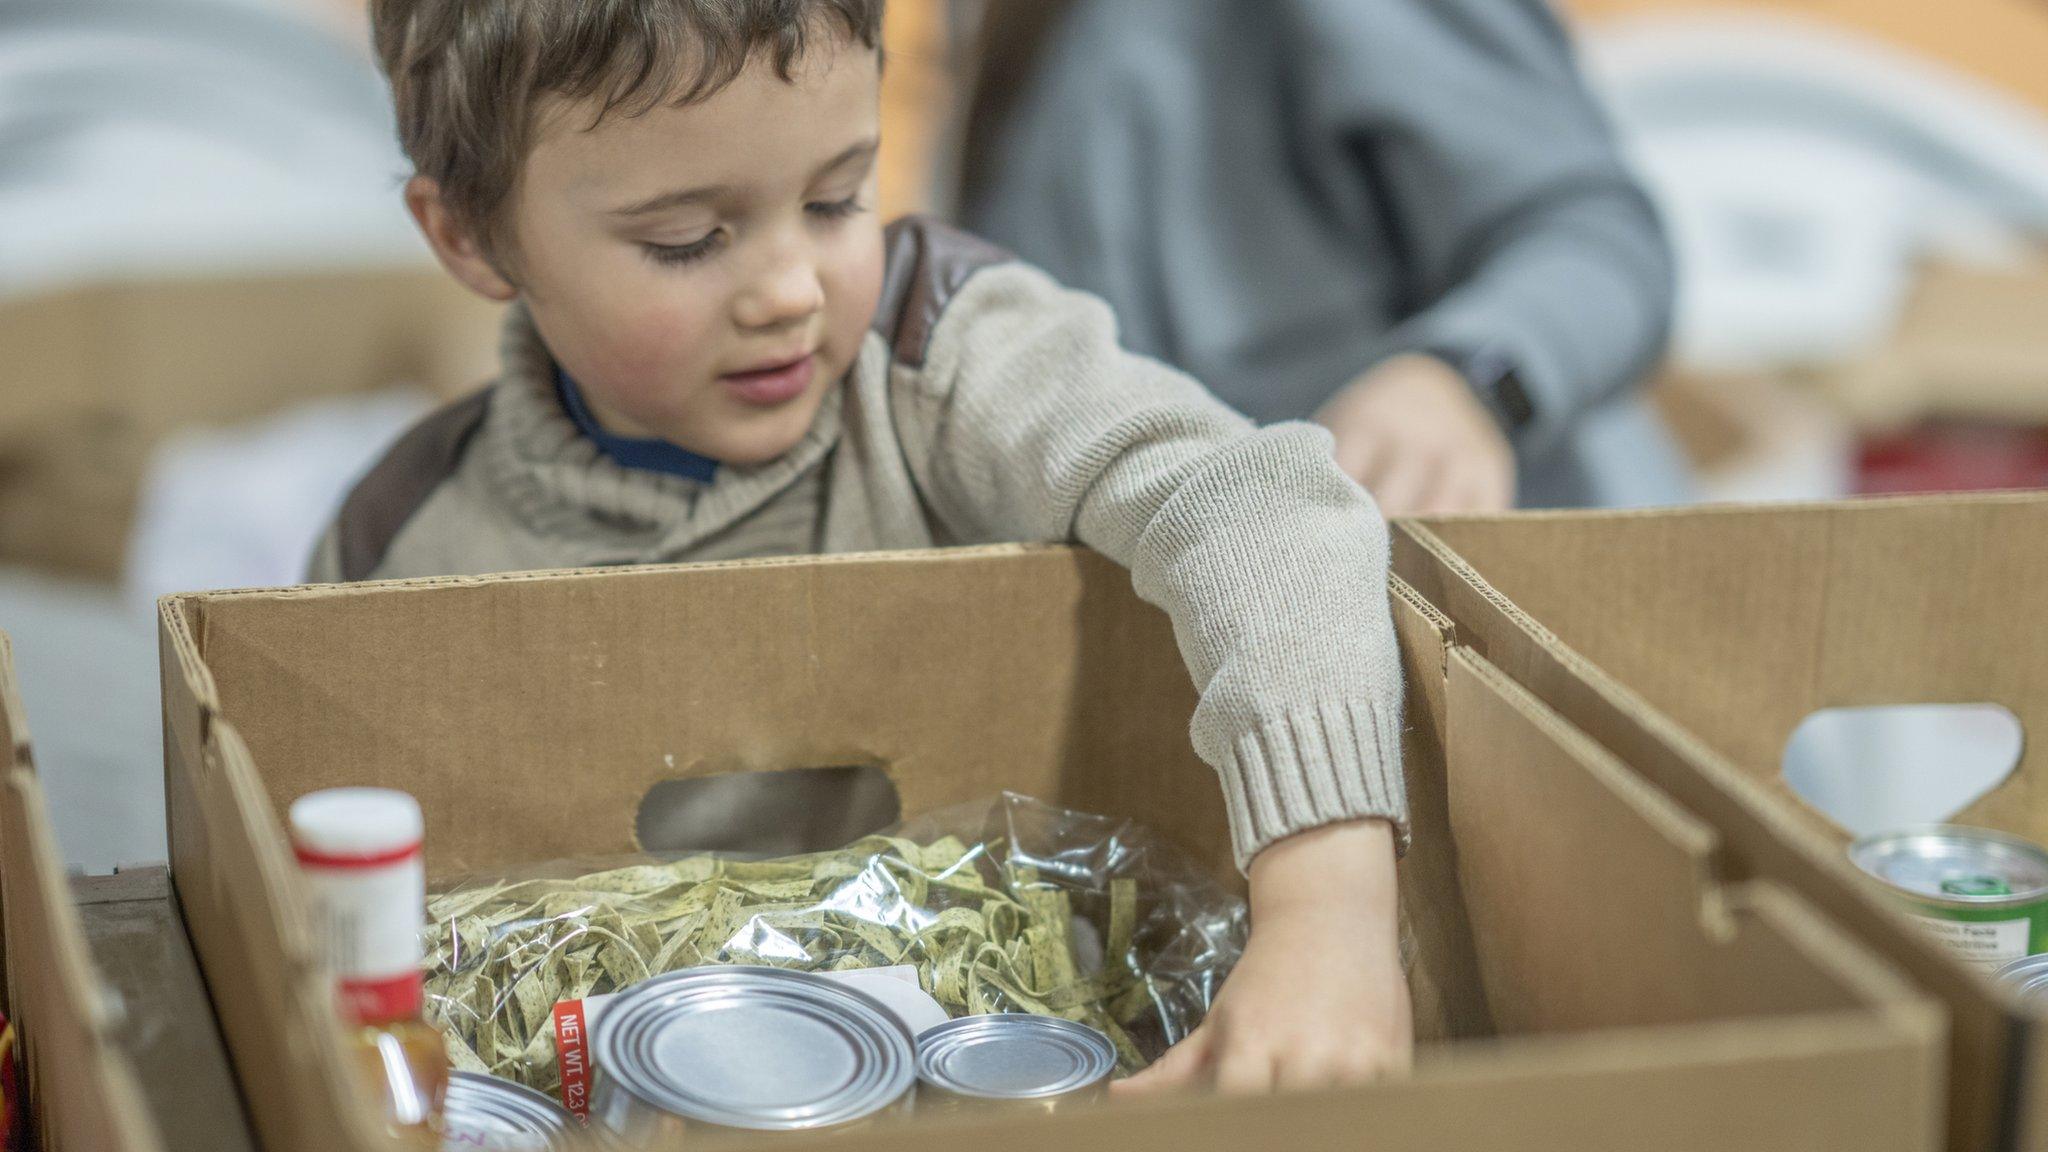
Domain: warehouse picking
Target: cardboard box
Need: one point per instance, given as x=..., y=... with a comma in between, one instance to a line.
x=1591, y=979
x=95, y=377
x=81, y=1091
x=1691, y=643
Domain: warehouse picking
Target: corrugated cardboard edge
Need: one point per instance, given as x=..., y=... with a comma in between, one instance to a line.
x=1776, y=842
x=100, y=1103
x=1445, y=973
x=246, y=922
x=192, y=604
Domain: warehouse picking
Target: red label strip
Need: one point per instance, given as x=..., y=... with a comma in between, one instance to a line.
x=572, y=1051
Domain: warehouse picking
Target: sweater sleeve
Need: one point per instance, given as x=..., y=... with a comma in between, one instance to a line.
x=1028, y=421
x=1521, y=229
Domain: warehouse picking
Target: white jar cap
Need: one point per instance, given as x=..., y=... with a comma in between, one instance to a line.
x=356, y=822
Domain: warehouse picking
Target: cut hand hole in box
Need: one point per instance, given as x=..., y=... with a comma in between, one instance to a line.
x=1874, y=769
x=767, y=813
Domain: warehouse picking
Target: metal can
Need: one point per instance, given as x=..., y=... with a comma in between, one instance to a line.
x=1982, y=893
x=2028, y=979
x=746, y=1049
x=485, y=1112
x=1013, y=1062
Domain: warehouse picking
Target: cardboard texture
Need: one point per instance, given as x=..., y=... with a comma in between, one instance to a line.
x=1691, y=643
x=1586, y=980
x=96, y=376
x=81, y=1091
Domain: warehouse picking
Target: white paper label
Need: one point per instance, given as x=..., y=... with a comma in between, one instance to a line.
x=369, y=917
x=1990, y=943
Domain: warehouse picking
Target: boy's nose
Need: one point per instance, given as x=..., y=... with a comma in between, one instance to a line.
x=784, y=293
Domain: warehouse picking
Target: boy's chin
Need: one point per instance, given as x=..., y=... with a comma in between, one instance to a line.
x=755, y=448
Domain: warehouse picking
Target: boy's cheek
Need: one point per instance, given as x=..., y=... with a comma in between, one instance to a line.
x=646, y=369
x=663, y=341
x=858, y=282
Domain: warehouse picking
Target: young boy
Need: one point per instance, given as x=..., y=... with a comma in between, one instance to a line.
x=715, y=350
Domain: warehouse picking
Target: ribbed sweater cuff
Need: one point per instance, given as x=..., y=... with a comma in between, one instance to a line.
x=1318, y=765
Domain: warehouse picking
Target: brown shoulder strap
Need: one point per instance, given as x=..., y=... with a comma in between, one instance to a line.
x=928, y=264
x=400, y=483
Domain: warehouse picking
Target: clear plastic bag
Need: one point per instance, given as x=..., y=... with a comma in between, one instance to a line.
x=1003, y=907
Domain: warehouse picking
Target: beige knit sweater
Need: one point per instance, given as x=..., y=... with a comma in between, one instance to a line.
x=988, y=404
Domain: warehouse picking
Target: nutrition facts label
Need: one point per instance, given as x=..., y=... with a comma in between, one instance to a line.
x=1989, y=943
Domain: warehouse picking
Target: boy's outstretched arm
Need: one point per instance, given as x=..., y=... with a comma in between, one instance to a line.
x=1027, y=421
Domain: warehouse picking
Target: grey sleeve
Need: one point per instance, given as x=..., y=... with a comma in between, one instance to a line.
x=1522, y=230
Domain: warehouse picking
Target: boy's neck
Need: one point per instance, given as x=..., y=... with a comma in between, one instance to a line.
x=644, y=454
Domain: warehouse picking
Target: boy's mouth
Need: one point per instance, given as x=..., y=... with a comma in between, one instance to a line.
x=774, y=384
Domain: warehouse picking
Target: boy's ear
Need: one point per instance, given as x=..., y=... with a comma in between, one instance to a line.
x=452, y=242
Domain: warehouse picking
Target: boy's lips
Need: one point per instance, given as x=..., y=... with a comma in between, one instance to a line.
x=772, y=385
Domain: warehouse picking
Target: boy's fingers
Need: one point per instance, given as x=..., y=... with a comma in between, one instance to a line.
x=1245, y=1072
x=1303, y=1072
x=1180, y=1067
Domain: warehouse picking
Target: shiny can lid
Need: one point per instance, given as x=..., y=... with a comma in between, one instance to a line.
x=1013, y=1056
x=1958, y=865
x=486, y=1112
x=755, y=1048
x=2027, y=976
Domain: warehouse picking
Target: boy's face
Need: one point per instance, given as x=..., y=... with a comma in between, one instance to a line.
x=707, y=273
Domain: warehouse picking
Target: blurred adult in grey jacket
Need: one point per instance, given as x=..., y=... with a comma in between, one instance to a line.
x=1405, y=218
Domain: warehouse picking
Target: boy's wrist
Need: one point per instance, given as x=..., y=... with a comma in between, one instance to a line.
x=1348, y=864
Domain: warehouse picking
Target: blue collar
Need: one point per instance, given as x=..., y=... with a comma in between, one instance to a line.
x=632, y=452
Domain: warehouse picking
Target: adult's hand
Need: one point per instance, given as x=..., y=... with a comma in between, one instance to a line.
x=1415, y=436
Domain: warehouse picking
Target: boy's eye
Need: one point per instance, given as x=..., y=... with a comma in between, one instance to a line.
x=672, y=254
x=835, y=209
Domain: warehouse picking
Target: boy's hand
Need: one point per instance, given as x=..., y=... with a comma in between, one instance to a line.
x=1413, y=434
x=1319, y=998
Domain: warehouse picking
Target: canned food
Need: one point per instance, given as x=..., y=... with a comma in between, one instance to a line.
x=1982, y=893
x=751, y=1049
x=486, y=1112
x=2027, y=978
x=1035, y=1063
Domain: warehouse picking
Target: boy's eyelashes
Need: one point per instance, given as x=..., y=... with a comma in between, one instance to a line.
x=696, y=250
x=674, y=254
x=836, y=209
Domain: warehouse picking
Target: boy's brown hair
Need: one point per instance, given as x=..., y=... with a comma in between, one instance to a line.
x=467, y=76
